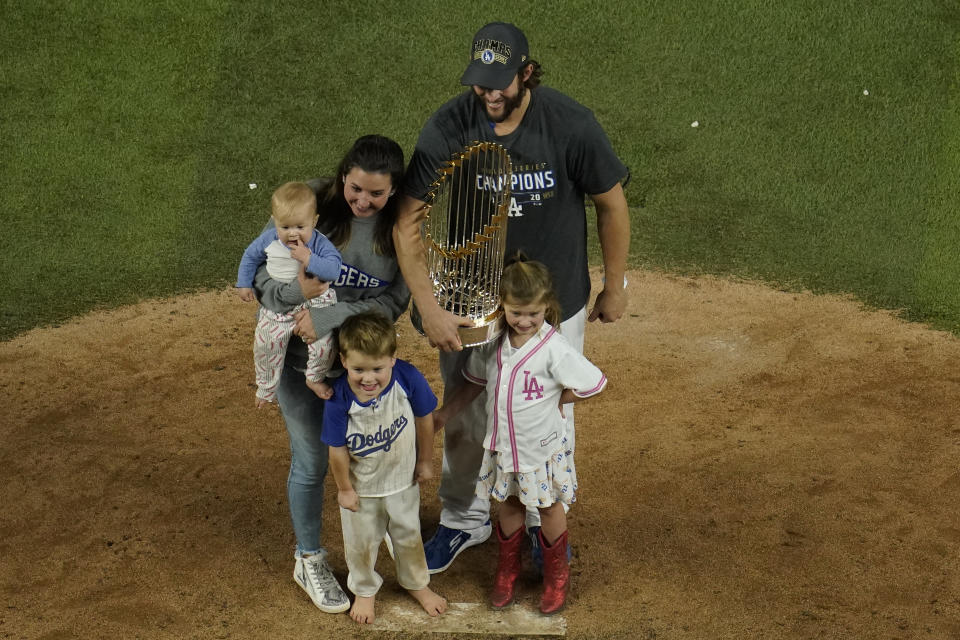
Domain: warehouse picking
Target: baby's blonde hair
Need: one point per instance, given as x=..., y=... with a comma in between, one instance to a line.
x=292, y=198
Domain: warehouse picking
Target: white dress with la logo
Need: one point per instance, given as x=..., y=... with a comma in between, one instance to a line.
x=526, y=441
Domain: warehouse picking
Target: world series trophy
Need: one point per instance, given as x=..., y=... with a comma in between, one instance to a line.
x=464, y=233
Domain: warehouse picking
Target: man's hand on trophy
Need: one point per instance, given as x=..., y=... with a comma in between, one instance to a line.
x=440, y=327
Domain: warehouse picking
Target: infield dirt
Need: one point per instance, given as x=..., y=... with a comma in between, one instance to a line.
x=763, y=464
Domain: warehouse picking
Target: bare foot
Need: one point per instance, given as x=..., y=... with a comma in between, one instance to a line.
x=362, y=610
x=322, y=389
x=431, y=602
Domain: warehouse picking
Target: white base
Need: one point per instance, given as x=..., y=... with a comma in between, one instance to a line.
x=471, y=618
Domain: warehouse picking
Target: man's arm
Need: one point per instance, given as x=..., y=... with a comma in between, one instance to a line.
x=439, y=325
x=465, y=394
x=613, y=230
x=424, y=466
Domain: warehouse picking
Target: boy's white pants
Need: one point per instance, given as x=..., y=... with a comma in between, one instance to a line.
x=363, y=532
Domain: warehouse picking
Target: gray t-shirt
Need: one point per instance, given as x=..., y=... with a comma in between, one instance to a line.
x=559, y=154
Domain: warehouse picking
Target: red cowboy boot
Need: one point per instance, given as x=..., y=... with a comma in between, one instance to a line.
x=508, y=568
x=556, y=574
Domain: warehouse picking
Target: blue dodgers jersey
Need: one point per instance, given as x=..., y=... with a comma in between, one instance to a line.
x=381, y=434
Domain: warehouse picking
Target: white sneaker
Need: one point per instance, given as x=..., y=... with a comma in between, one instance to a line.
x=314, y=575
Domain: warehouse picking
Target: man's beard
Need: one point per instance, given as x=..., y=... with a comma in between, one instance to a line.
x=509, y=105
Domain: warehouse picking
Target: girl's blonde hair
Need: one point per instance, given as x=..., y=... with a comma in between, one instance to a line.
x=528, y=282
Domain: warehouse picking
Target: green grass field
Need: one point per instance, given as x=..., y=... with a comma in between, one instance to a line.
x=131, y=131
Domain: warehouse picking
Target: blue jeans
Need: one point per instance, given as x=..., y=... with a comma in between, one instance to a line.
x=303, y=414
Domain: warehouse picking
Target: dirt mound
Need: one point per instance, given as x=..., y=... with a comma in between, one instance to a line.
x=763, y=465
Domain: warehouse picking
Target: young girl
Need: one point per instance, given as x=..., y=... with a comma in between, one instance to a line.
x=529, y=373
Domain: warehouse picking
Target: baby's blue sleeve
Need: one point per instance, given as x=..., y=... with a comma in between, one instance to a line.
x=324, y=258
x=254, y=256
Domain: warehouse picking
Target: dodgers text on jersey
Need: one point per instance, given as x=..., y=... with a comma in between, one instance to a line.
x=362, y=445
x=350, y=276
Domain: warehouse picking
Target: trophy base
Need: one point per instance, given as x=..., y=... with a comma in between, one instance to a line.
x=482, y=334
x=483, y=331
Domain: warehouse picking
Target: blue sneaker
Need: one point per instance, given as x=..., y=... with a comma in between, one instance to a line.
x=536, y=553
x=446, y=544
